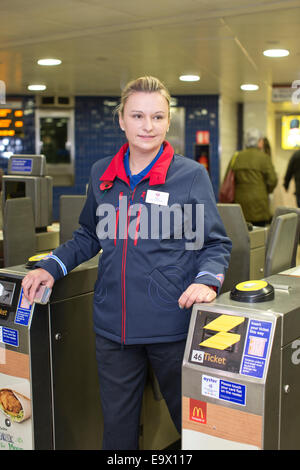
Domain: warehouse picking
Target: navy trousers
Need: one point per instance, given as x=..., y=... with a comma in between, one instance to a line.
x=122, y=376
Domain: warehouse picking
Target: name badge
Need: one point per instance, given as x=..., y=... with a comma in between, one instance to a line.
x=157, y=197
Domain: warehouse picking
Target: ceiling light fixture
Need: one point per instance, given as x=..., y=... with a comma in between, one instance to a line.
x=276, y=52
x=36, y=87
x=49, y=62
x=189, y=78
x=249, y=87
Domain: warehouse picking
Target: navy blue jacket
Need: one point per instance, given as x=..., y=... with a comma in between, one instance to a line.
x=149, y=257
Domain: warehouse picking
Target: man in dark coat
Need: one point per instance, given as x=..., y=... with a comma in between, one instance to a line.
x=293, y=170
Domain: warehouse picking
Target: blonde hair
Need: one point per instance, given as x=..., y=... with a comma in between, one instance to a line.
x=145, y=84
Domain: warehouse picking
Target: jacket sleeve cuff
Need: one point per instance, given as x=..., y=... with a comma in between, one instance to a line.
x=210, y=279
x=54, y=266
x=214, y=288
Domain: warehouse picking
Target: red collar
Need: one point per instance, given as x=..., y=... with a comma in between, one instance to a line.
x=157, y=174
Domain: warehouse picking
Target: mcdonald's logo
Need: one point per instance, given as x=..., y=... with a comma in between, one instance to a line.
x=198, y=411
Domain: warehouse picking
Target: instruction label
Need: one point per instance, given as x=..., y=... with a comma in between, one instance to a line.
x=223, y=390
x=9, y=336
x=21, y=165
x=23, y=311
x=256, y=349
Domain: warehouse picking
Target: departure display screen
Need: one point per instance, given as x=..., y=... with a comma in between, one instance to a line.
x=11, y=122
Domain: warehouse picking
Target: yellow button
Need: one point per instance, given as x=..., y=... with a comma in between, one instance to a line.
x=38, y=257
x=251, y=285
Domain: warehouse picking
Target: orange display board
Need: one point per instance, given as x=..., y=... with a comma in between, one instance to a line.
x=11, y=122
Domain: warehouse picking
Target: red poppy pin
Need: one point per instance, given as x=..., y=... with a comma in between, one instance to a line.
x=106, y=185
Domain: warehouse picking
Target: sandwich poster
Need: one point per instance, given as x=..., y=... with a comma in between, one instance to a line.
x=15, y=404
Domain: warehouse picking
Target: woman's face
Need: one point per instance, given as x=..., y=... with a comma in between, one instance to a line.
x=145, y=121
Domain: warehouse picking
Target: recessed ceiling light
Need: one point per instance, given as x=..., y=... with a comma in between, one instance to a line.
x=189, y=78
x=276, y=52
x=249, y=87
x=49, y=61
x=36, y=87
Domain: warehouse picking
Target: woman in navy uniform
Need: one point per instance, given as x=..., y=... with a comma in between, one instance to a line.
x=150, y=273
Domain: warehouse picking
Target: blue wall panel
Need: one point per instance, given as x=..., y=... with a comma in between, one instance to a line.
x=97, y=135
x=202, y=114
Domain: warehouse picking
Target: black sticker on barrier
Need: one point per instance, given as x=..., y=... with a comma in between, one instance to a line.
x=221, y=347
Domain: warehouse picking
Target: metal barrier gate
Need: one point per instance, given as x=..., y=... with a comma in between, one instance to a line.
x=241, y=381
x=49, y=391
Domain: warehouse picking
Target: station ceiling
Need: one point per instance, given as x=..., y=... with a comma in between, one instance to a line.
x=105, y=43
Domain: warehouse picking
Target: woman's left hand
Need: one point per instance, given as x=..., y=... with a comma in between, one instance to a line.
x=196, y=293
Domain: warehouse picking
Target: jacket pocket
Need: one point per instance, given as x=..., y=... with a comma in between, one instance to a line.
x=100, y=292
x=162, y=291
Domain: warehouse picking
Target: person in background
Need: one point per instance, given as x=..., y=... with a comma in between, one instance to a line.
x=293, y=171
x=148, y=280
x=265, y=146
x=255, y=179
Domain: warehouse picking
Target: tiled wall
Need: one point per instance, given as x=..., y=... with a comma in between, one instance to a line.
x=97, y=135
x=202, y=113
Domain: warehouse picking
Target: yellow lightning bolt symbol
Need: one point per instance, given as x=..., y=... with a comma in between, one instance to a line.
x=223, y=339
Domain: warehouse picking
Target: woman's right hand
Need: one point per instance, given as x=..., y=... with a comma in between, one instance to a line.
x=33, y=280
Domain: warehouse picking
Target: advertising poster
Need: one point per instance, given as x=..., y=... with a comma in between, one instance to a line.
x=290, y=135
x=15, y=401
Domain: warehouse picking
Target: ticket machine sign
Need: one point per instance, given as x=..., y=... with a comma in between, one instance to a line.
x=223, y=339
x=218, y=341
x=257, y=347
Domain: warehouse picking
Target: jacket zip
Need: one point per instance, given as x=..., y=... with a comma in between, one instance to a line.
x=117, y=218
x=138, y=219
x=123, y=269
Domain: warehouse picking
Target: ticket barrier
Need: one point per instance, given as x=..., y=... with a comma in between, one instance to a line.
x=49, y=391
x=241, y=381
x=26, y=177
